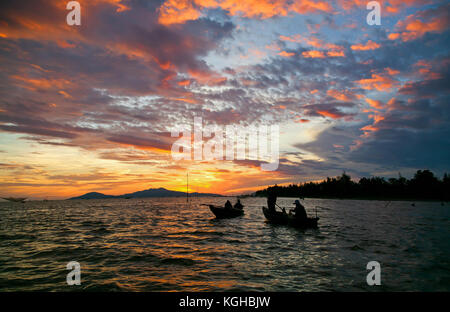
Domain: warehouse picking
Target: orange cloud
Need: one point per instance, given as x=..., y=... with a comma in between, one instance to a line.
x=391, y=71
x=64, y=44
x=206, y=77
x=65, y=94
x=395, y=104
x=392, y=10
x=120, y=7
x=286, y=54
x=376, y=118
x=413, y=28
x=370, y=45
x=41, y=83
x=393, y=36
x=391, y=6
x=181, y=11
x=335, y=50
x=350, y=4
x=177, y=12
x=329, y=114
x=313, y=54
x=423, y=63
x=370, y=128
x=190, y=101
x=377, y=82
x=336, y=53
x=309, y=6
x=341, y=96
x=375, y=103
x=184, y=83
x=294, y=38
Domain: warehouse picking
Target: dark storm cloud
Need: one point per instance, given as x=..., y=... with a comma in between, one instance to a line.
x=400, y=147
x=413, y=134
x=428, y=88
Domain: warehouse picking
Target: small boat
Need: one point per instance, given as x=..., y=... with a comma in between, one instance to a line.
x=223, y=213
x=276, y=217
x=15, y=199
x=283, y=218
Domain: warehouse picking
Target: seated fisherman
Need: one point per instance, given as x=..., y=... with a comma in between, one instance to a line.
x=238, y=205
x=299, y=211
x=228, y=205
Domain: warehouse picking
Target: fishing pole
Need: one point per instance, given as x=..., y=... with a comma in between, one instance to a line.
x=282, y=208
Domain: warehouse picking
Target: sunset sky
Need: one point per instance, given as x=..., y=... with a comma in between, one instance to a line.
x=90, y=108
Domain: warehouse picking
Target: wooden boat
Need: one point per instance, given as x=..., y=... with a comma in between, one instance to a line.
x=276, y=217
x=223, y=213
x=283, y=218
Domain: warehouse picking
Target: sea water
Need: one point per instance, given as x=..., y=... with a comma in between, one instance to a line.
x=165, y=244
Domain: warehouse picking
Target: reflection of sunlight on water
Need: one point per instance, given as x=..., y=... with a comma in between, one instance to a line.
x=165, y=245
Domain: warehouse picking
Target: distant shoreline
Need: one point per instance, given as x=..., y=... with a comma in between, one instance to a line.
x=423, y=186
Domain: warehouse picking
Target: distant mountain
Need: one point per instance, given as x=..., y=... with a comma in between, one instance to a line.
x=93, y=195
x=159, y=192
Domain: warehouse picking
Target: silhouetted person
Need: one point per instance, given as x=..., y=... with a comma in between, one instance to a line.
x=238, y=205
x=299, y=210
x=271, y=201
x=228, y=205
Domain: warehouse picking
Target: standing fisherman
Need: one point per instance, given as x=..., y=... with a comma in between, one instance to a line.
x=271, y=200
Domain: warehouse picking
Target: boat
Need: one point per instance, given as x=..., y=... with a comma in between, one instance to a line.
x=283, y=218
x=15, y=199
x=223, y=213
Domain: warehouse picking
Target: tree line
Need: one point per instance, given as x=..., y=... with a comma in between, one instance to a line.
x=424, y=185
